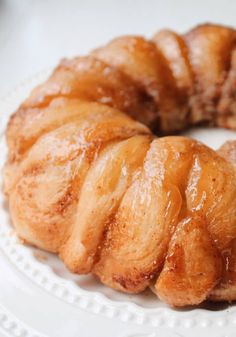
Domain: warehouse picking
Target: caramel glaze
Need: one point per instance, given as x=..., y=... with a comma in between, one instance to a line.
x=87, y=179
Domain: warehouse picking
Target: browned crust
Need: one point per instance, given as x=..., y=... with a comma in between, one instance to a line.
x=92, y=184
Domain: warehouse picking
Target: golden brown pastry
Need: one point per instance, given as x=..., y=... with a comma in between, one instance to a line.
x=85, y=179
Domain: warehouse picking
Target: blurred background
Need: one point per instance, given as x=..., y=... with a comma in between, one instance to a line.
x=36, y=34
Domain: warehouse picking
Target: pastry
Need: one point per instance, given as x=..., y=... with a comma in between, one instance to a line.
x=87, y=177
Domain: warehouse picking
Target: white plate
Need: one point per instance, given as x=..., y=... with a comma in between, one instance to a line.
x=41, y=298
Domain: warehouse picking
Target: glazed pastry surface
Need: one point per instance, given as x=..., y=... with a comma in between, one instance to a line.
x=86, y=177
